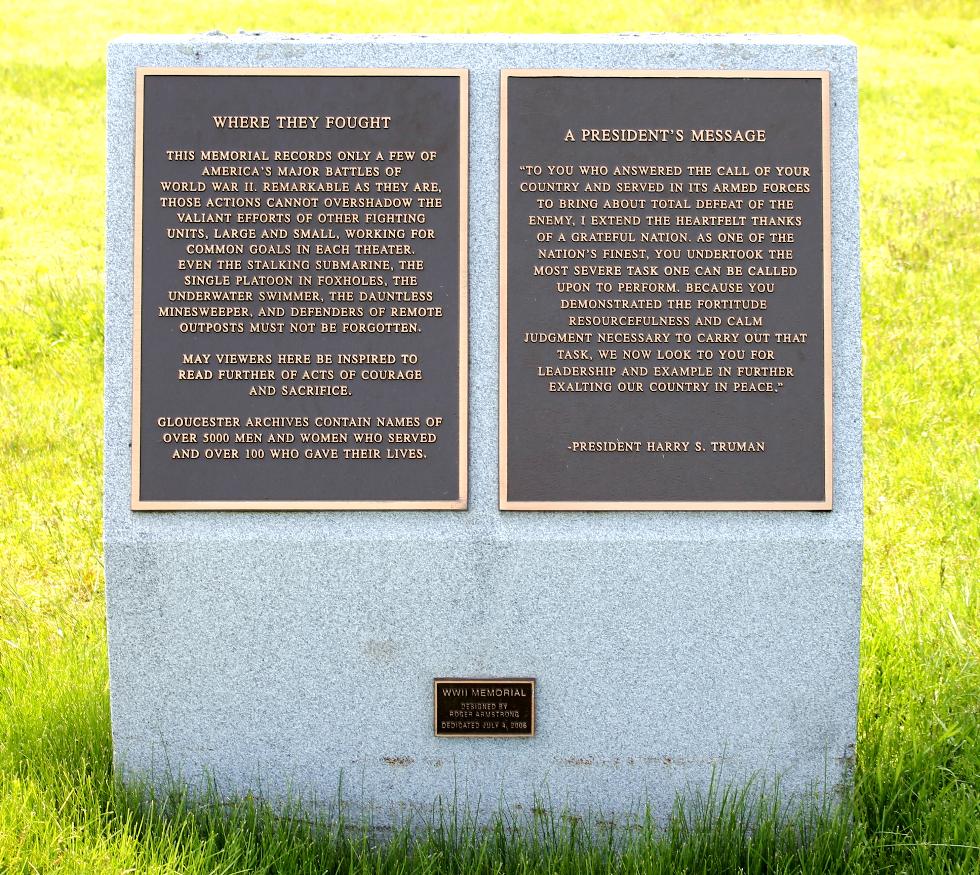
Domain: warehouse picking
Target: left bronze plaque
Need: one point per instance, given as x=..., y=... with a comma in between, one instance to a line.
x=484, y=707
x=300, y=313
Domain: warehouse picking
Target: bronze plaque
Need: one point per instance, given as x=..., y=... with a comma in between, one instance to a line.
x=665, y=290
x=300, y=310
x=484, y=708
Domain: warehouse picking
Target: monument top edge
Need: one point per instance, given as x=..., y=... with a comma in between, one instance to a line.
x=253, y=37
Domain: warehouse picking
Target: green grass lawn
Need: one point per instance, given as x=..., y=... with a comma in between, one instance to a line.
x=916, y=804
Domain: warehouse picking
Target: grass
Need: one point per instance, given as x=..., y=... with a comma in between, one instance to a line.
x=916, y=803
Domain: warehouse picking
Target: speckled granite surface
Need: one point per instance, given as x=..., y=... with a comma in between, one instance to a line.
x=279, y=650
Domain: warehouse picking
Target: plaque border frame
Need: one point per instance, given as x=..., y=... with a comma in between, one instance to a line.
x=458, y=503
x=826, y=503
x=497, y=680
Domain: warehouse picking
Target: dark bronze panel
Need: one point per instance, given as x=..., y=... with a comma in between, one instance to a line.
x=481, y=708
x=300, y=307
x=665, y=291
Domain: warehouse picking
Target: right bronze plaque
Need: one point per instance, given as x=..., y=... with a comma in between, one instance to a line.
x=665, y=290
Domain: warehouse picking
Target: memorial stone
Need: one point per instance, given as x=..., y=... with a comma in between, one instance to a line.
x=483, y=416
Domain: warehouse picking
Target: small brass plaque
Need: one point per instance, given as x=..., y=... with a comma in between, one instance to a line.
x=484, y=707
